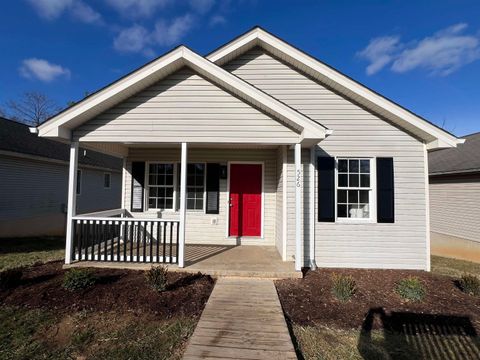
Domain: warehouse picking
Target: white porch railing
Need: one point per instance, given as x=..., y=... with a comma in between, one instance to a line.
x=109, y=236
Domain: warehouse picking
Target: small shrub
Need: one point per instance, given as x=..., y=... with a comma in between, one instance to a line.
x=344, y=287
x=470, y=284
x=411, y=288
x=156, y=278
x=10, y=278
x=78, y=279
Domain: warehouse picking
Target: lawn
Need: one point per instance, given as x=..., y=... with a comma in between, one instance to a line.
x=377, y=323
x=28, y=251
x=119, y=317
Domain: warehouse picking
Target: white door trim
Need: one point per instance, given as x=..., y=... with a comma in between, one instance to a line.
x=227, y=232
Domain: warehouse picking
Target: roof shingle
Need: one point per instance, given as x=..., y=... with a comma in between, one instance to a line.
x=465, y=158
x=16, y=137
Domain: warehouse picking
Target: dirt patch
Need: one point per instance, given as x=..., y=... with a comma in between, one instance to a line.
x=116, y=290
x=309, y=301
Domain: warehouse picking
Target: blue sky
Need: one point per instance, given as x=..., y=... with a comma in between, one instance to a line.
x=425, y=55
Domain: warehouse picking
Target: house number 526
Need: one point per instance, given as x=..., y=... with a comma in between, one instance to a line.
x=299, y=178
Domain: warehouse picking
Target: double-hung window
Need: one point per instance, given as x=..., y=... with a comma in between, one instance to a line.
x=195, y=186
x=161, y=186
x=354, y=188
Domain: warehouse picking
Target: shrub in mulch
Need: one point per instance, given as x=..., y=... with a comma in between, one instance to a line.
x=310, y=301
x=411, y=288
x=156, y=278
x=343, y=286
x=10, y=278
x=470, y=284
x=118, y=290
x=78, y=279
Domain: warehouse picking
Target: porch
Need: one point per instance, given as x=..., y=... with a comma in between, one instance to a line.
x=197, y=235
x=217, y=260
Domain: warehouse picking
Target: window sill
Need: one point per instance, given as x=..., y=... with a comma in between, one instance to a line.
x=355, y=221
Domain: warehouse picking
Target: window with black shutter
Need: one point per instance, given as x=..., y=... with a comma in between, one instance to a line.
x=138, y=185
x=213, y=188
x=385, y=190
x=326, y=189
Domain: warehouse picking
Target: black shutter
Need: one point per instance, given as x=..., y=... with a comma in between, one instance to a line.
x=385, y=191
x=326, y=189
x=138, y=185
x=213, y=188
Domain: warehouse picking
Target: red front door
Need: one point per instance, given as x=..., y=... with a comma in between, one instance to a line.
x=245, y=200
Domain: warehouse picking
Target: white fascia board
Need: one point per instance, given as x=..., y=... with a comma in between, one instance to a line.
x=260, y=37
x=109, y=92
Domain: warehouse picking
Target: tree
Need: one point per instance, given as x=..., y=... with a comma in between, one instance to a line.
x=32, y=108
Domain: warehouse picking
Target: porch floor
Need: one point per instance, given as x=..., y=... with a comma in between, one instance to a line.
x=220, y=260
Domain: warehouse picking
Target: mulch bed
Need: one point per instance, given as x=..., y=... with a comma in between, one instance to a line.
x=116, y=290
x=309, y=301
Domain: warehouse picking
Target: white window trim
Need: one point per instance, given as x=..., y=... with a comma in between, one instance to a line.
x=79, y=171
x=373, y=192
x=109, y=180
x=176, y=190
x=204, y=209
x=147, y=186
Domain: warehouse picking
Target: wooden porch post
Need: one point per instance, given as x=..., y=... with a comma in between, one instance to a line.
x=71, y=200
x=183, y=203
x=298, y=207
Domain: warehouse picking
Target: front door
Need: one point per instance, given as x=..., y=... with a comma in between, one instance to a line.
x=245, y=200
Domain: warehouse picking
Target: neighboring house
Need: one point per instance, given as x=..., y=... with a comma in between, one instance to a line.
x=257, y=143
x=455, y=200
x=34, y=180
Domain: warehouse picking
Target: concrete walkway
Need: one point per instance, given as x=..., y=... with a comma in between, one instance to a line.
x=243, y=319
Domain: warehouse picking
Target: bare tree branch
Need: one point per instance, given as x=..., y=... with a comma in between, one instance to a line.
x=32, y=108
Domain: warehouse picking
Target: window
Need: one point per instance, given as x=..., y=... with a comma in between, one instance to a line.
x=195, y=186
x=106, y=180
x=160, y=186
x=354, y=189
x=79, y=182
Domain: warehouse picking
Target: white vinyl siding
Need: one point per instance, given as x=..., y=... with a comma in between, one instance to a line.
x=36, y=205
x=185, y=107
x=200, y=228
x=356, y=133
x=455, y=206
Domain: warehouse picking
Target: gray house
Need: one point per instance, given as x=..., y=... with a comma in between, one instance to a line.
x=34, y=181
x=256, y=144
x=455, y=200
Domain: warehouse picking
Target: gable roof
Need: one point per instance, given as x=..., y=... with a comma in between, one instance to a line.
x=432, y=135
x=461, y=160
x=16, y=138
x=60, y=125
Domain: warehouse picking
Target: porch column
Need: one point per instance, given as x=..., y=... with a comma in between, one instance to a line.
x=71, y=200
x=311, y=207
x=298, y=207
x=183, y=205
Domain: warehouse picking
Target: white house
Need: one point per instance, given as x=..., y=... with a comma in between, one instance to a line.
x=257, y=143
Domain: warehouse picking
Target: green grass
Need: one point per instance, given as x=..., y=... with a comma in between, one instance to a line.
x=453, y=267
x=41, y=334
x=29, y=251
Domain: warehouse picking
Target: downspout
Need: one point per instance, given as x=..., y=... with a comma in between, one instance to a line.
x=313, y=264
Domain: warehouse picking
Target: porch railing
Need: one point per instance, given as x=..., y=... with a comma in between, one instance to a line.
x=121, y=239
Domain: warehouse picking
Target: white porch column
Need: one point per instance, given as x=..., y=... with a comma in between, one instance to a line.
x=311, y=170
x=298, y=207
x=71, y=200
x=183, y=205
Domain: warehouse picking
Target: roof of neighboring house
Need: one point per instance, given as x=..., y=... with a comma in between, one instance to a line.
x=16, y=137
x=465, y=158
